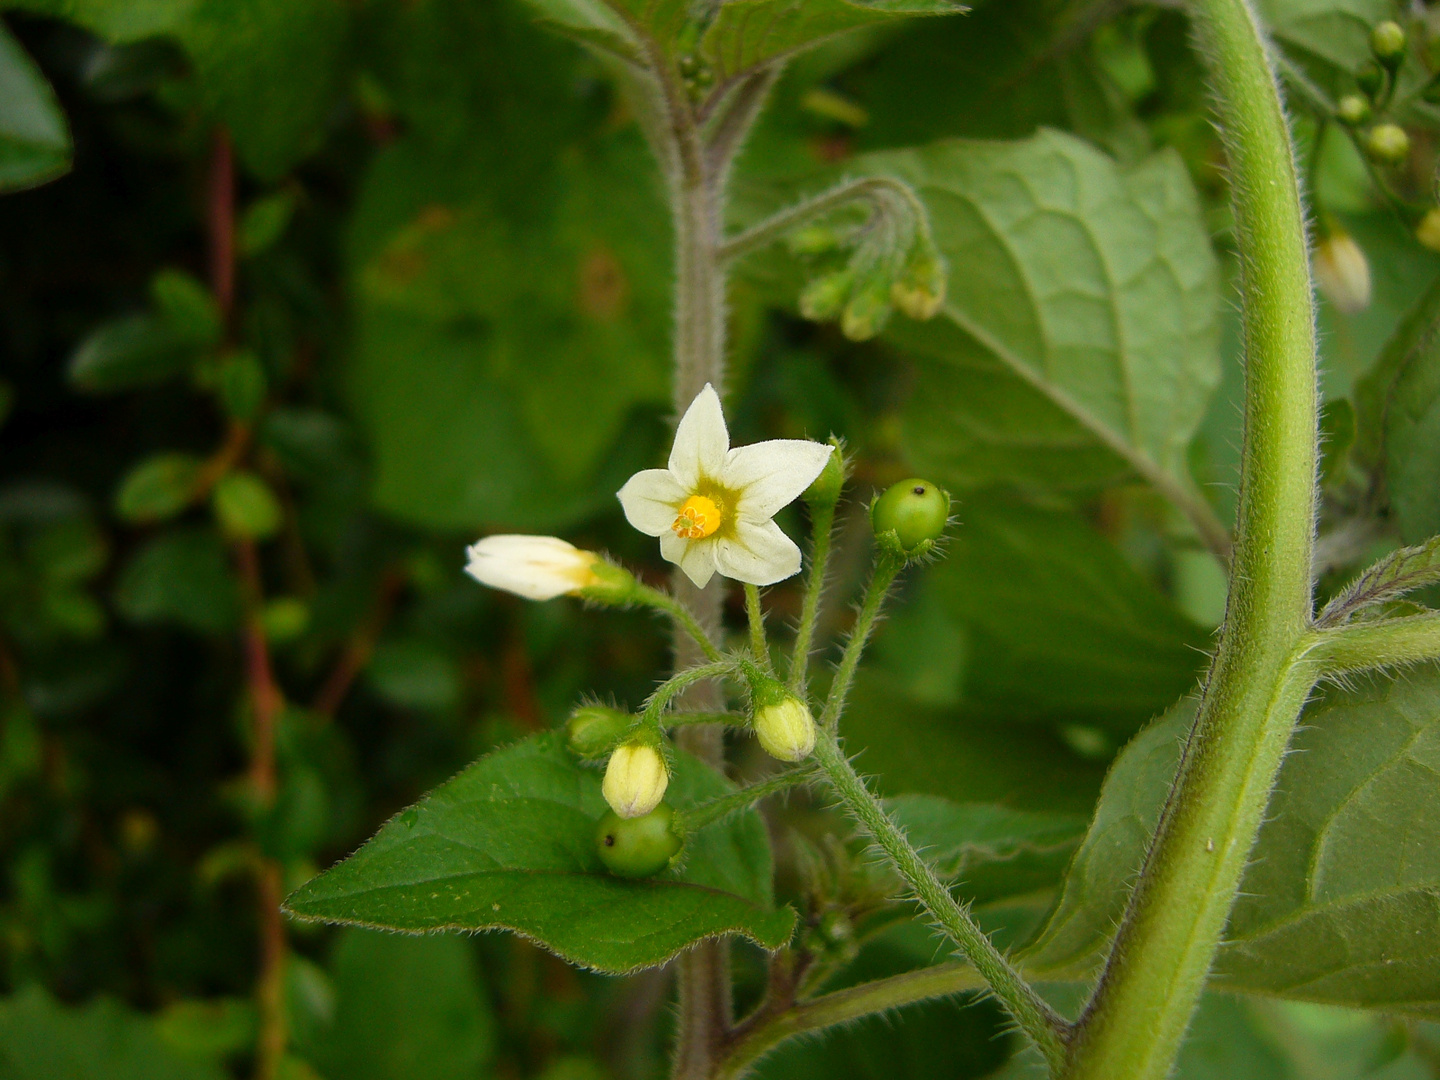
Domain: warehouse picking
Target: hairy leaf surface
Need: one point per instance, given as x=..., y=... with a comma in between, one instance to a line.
x=1340, y=902
x=1079, y=339
x=510, y=844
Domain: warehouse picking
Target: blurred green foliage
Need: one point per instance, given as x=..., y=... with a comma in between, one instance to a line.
x=451, y=315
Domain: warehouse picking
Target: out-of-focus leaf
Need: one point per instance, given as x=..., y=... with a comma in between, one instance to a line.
x=1412, y=431
x=1057, y=625
x=264, y=222
x=182, y=576
x=267, y=68
x=159, y=487
x=212, y=1028
x=40, y=1040
x=1339, y=902
x=910, y=746
x=34, y=138
x=415, y=674
x=510, y=844
x=187, y=306
x=1337, y=31
x=245, y=506
x=128, y=352
x=406, y=1007
x=1414, y=343
x=1079, y=338
x=990, y=851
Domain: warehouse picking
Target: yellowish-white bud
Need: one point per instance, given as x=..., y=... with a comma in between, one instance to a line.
x=635, y=780
x=1342, y=272
x=786, y=729
x=543, y=567
x=1428, y=231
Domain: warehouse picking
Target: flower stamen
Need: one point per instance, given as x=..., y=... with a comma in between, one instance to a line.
x=699, y=517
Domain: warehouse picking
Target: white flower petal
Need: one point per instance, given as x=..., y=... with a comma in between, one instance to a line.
x=770, y=475
x=758, y=553
x=651, y=499
x=535, y=567
x=701, y=441
x=695, y=557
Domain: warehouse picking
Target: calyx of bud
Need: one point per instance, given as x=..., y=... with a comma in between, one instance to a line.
x=593, y=730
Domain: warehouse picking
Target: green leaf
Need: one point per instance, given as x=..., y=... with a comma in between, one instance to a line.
x=40, y=1040
x=1337, y=31
x=1057, y=625
x=1079, y=340
x=159, y=487
x=1412, y=426
x=245, y=506
x=1339, y=903
x=1395, y=575
x=182, y=576
x=1415, y=343
x=268, y=69
x=406, y=1007
x=264, y=222
x=415, y=674
x=510, y=844
x=187, y=306
x=991, y=851
x=34, y=138
x=128, y=352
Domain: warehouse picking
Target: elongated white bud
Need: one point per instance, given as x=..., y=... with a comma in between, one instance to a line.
x=635, y=780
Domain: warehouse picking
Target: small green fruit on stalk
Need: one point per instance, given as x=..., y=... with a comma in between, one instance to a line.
x=1387, y=42
x=1428, y=231
x=638, y=847
x=1353, y=110
x=783, y=723
x=1387, y=144
x=915, y=512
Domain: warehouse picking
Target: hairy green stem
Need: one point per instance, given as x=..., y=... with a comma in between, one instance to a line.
x=755, y=616
x=677, y=684
x=1134, y=1023
x=1035, y=1017
x=882, y=192
x=1410, y=639
x=683, y=617
x=722, y=806
x=685, y=719
x=822, y=522
x=887, y=566
x=841, y=1007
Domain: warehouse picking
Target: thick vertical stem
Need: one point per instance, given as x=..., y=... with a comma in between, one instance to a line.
x=1162, y=954
x=706, y=1010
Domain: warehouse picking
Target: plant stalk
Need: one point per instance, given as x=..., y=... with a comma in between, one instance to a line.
x=1044, y=1027
x=1137, y=1017
x=887, y=566
x=822, y=528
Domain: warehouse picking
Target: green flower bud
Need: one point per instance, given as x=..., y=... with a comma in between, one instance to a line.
x=1353, y=110
x=593, y=730
x=783, y=723
x=1387, y=144
x=635, y=779
x=638, y=847
x=813, y=240
x=1428, y=231
x=822, y=298
x=916, y=511
x=825, y=489
x=1387, y=42
x=867, y=312
x=921, y=291
x=1370, y=78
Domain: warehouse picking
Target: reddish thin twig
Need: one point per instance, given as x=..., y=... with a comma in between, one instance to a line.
x=358, y=650
x=221, y=214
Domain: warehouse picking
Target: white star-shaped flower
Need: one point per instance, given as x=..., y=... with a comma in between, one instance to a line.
x=713, y=507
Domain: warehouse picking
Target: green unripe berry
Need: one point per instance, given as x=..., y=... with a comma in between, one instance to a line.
x=825, y=489
x=1387, y=42
x=593, y=730
x=1370, y=78
x=1387, y=144
x=916, y=511
x=1353, y=110
x=638, y=847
